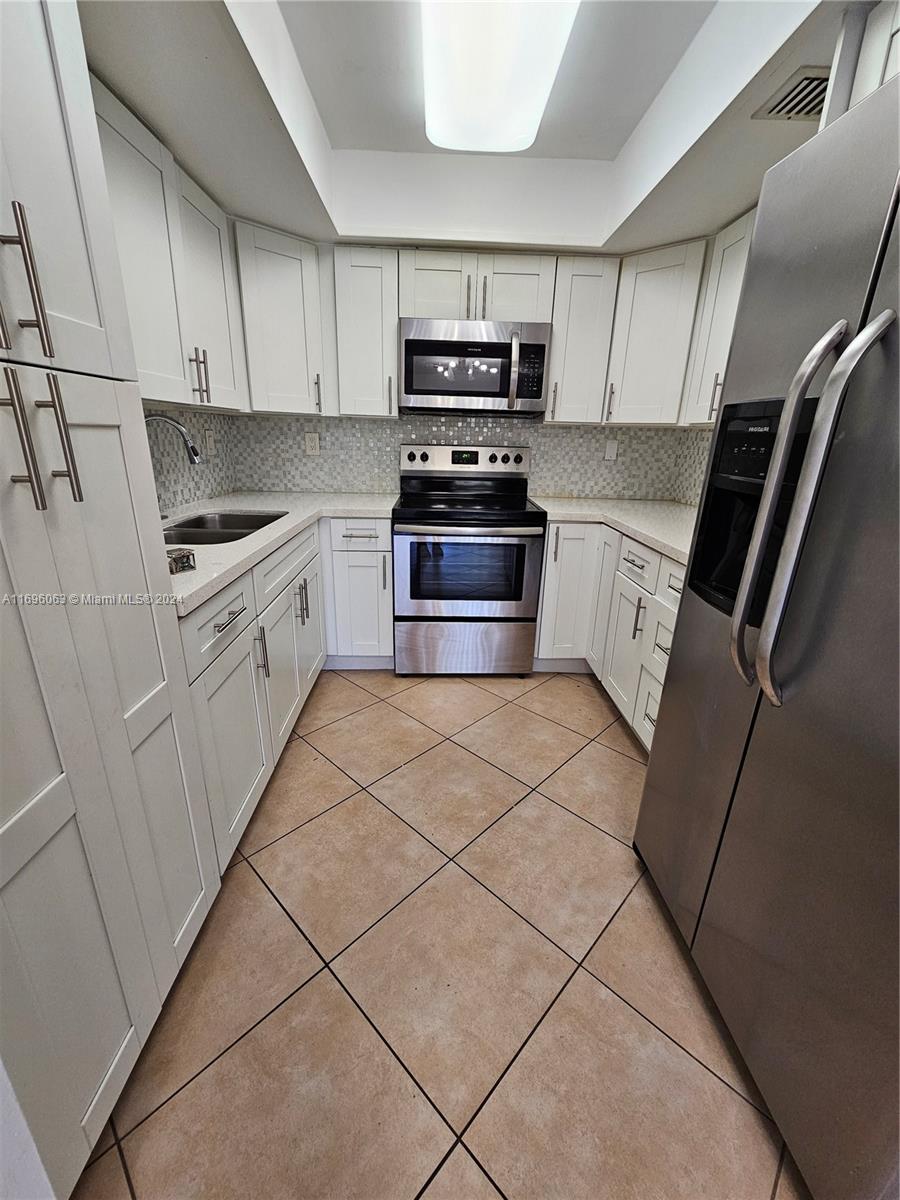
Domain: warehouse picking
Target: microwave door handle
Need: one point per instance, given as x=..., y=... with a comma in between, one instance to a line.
x=784, y=441
x=514, y=368
x=820, y=439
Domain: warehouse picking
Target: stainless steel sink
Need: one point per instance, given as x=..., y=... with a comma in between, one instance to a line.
x=209, y=528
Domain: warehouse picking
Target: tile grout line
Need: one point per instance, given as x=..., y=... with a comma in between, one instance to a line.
x=129, y=1182
x=315, y=816
x=573, y=813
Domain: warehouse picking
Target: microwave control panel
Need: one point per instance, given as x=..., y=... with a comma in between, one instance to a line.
x=531, y=372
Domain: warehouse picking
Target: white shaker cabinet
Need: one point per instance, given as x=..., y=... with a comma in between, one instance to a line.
x=279, y=631
x=280, y=290
x=438, y=283
x=366, y=302
x=625, y=643
x=652, y=334
x=716, y=323
x=609, y=548
x=568, y=593
x=311, y=644
x=583, y=312
x=514, y=287
x=879, y=54
x=60, y=289
x=363, y=602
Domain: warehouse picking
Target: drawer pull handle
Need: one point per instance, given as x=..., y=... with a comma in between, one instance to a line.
x=647, y=717
x=22, y=239
x=633, y=562
x=675, y=589
x=233, y=614
x=663, y=649
x=264, y=665
x=637, y=616
x=359, y=535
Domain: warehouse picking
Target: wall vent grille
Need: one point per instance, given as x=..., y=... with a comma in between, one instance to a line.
x=800, y=98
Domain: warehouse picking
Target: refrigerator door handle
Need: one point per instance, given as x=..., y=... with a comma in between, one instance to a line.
x=820, y=440
x=781, y=451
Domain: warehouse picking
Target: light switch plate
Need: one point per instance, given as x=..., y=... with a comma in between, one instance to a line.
x=612, y=450
x=210, y=443
x=312, y=443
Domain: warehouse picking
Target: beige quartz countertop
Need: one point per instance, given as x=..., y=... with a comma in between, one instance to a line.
x=661, y=524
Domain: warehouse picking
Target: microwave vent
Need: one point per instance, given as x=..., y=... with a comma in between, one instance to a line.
x=800, y=98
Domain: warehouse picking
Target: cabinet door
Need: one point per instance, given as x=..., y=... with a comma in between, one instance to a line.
x=582, y=330
x=77, y=989
x=716, y=325
x=108, y=546
x=363, y=601
x=211, y=320
x=229, y=701
x=143, y=193
x=280, y=290
x=366, y=304
x=312, y=627
x=625, y=643
x=646, y=706
x=652, y=334
x=50, y=164
x=279, y=629
x=438, y=283
x=571, y=563
x=515, y=287
x=609, y=545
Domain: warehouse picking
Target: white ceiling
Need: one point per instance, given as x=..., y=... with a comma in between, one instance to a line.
x=363, y=63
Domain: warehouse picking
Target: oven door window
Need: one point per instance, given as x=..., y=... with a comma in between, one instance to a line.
x=473, y=571
x=456, y=368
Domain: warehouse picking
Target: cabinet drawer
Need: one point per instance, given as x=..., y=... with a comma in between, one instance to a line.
x=360, y=533
x=646, y=707
x=275, y=572
x=214, y=625
x=671, y=582
x=640, y=564
x=659, y=626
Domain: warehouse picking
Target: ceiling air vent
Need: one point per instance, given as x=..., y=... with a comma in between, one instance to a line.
x=800, y=98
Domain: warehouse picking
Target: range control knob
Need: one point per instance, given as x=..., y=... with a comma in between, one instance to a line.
x=411, y=456
x=492, y=458
x=517, y=458
x=504, y=458
x=424, y=456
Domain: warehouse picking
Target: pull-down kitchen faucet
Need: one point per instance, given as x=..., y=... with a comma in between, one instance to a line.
x=194, y=455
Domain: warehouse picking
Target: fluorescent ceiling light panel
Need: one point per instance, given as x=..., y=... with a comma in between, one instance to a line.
x=489, y=67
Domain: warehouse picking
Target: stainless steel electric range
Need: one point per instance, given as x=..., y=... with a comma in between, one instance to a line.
x=468, y=550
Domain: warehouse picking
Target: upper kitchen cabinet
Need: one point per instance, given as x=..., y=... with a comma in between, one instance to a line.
x=365, y=284
x=720, y=301
x=282, y=320
x=582, y=331
x=879, y=54
x=143, y=192
x=515, y=287
x=438, y=283
x=211, y=322
x=60, y=292
x=652, y=334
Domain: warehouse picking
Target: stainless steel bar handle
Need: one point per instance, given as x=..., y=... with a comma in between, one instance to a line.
x=62, y=425
x=711, y=412
x=206, y=376
x=484, y=300
x=390, y=395
x=633, y=562
x=553, y=405
x=233, y=614
x=768, y=502
x=609, y=402
x=637, y=616
x=22, y=239
x=5, y=342
x=306, y=596
x=663, y=649
x=556, y=545
x=17, y=404
x=359, y=535
x=472, y=531
x=318, y=385
x=676, y=590
x=301, y=615
x=820, y=439
x=647, y=717
x=468, y=296
x=264, y=665
x=384, y=572
x=196, y=360
x=515, y=338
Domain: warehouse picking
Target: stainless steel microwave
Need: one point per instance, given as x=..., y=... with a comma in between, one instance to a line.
x=474, y=366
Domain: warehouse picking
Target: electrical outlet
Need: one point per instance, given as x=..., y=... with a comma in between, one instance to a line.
x=312, y=443
x=612, y=450
x=210, y=443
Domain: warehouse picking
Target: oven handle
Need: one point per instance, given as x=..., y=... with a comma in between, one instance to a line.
x=472, y=530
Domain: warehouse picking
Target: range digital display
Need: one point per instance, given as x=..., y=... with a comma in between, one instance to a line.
x=464, y=458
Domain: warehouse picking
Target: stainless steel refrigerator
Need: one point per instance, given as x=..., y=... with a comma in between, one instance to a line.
x=769, y=820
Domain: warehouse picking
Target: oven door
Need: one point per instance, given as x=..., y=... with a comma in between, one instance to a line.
x=465, y=571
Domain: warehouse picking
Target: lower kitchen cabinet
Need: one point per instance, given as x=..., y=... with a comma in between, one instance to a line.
x=624, y=643
x=279, y=632
x=568, y=594
x=363, y=602
x=311, y=650
x=609, y=546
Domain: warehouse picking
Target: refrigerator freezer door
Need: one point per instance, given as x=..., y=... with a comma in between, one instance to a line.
x=798, y=936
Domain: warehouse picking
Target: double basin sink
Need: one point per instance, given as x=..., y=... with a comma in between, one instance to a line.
x=207, y=529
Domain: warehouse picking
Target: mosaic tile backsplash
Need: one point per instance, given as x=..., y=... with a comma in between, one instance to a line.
x=266, y=453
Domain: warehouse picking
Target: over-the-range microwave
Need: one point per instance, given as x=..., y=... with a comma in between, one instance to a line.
x=474, y=366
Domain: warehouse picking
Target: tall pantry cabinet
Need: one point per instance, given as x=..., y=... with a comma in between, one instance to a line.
x=107, y=863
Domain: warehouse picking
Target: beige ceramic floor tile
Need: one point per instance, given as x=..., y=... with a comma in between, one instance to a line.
x=601, y=1106
x=382, y=683
x=339, y=873
x=455, y=982
x=248, y=956
x=578, y=705
x=642, y=957
x=449, y=795
x=619, y=737
x=447, y=703
x=560, y=873
x=303, y=785
x=602, y=786
x=103, y=1180
x=522, y=743
x=332, y=697
x=790, y=1182
x=373, y=742
x=311, y=1106
x=509, y=687
x=460, y=1178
